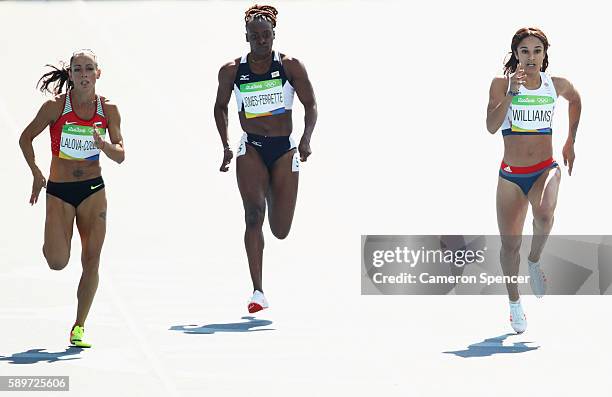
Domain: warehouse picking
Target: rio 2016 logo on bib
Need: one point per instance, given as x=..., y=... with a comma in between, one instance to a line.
x=263, y=98
x=77, y=142
x=532, y=113
x=533, y=100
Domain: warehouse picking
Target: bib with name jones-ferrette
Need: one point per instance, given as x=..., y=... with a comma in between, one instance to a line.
x=259, y=95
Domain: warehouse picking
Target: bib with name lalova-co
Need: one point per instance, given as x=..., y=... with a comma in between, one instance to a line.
x=262, y=98
x=531, y=112
x=77, y=142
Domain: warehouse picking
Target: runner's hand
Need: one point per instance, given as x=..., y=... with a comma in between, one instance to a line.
x=100, y=143
x=517, y=78
x=569, y=155
x=304, y=149
x=227, y=158
x=37, y=185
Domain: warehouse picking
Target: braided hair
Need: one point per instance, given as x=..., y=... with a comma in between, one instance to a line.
x=263, y=12
x=512, y=63
x=59, y=76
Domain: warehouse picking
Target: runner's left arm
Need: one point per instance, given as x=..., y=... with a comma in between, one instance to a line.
x=114, y=149
x=565, y=89
x=305, y=92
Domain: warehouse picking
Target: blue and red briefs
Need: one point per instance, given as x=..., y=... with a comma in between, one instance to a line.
x=525, y=177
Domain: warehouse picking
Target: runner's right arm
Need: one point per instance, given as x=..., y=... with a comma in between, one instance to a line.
x=224, y=93
x=500, y=99
x=44, y=118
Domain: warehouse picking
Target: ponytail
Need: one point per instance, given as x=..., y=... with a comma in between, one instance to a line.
x=56, y=78
x=511, y=65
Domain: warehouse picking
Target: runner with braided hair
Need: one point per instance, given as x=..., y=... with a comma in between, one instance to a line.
x=264, y=82
x=266, y=13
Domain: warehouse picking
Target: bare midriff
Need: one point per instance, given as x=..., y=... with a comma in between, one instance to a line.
x=276, y=125
x=523, y=151
x=63, y=170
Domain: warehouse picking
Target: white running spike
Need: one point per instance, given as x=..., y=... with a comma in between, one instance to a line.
x=537, y=279
x=258, y=302
x=518, y=320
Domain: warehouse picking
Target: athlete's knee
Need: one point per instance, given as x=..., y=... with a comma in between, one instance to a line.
x=280, y=230
x=511, y=244
x=280, y=233
x=254, y=215
x=90, y=262
x=544, y=216
x=55, y=261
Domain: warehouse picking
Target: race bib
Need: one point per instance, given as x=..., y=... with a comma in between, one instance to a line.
x=77, y=142
x=532, y=113
x=262, y=98
x=295, y=162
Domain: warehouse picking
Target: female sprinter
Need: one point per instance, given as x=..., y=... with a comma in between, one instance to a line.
x=522, y=103
x=78, y=122
x=267, y=165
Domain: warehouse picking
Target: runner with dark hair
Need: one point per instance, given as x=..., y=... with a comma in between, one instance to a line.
x=264, y=82
x=521, y=103
x=78, y=121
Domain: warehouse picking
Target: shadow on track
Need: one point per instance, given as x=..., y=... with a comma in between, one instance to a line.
x=34, y=356
x=249, y=326
x=492, y=346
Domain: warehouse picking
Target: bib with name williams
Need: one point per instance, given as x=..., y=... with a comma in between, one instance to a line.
x=531, y=111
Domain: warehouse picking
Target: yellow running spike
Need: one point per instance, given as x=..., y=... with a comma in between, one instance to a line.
x=76, y=337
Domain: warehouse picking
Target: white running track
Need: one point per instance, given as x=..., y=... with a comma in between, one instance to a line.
x=400, y=148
